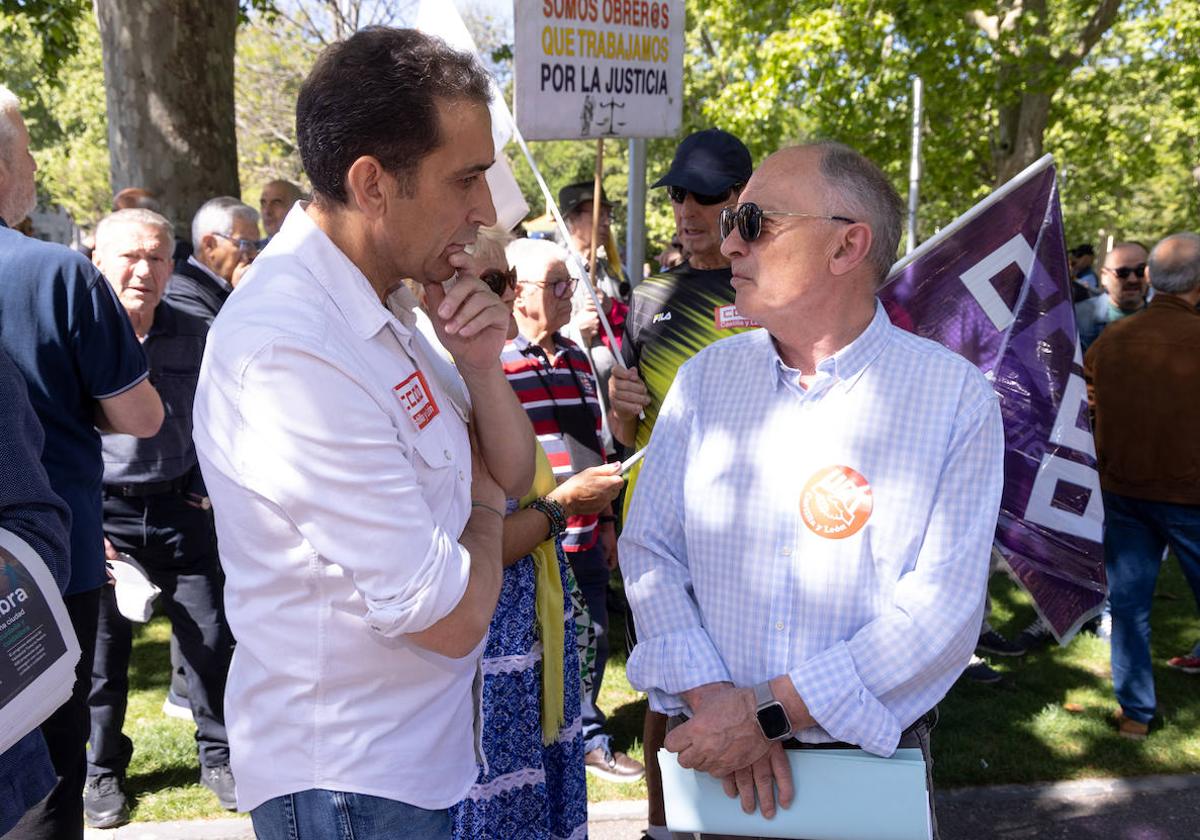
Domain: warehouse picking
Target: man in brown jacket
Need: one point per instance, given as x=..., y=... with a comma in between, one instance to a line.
x=1143, y=377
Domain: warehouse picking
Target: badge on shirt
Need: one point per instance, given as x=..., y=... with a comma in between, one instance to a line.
x=417, y=399
x=836, y=502
x=728, y=318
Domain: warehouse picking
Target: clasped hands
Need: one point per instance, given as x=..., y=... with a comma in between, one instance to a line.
x=723, y=739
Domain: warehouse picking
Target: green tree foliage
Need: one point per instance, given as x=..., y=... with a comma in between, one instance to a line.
x=65, y=114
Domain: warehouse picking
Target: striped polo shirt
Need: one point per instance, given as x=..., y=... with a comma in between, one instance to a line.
x=559, y=395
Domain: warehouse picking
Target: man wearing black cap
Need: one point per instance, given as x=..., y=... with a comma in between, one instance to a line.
x=672, y=316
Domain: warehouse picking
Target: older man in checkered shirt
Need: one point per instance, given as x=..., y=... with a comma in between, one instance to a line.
x=807, y=552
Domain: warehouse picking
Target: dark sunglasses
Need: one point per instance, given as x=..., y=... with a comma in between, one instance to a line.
x=748, y=219
x=1124, y=271
x=679, y=195
x=498, y=280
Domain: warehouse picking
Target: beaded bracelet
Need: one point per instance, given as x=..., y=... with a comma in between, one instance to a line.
x=553, y=511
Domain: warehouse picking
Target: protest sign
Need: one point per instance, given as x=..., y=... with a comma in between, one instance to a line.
x=38, y=648
x=995, y=287
x=586, y=69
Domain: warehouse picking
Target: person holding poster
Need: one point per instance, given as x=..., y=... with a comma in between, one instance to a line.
x=807, y=550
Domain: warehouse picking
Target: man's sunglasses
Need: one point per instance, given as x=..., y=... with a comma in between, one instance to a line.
x=1124, y=271
x=748, y=219
x=560, y=288
x=246, y=246
x=498, y=280
x=679, y=195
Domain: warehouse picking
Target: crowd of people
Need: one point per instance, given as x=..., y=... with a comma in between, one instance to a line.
x=390, y=467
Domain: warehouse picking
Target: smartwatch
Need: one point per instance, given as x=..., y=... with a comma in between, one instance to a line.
x=772, y=717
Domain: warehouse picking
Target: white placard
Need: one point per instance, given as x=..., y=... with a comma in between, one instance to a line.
x=587, y=69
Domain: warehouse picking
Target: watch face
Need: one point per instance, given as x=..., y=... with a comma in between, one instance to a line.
x=774, y=722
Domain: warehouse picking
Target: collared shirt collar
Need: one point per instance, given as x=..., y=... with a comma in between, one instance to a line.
x=343, y=281
x=217, y=278
x=846, y=365
x=1165, y=300
x=524, y=345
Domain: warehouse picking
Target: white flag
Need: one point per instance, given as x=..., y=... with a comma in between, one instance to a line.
x=441, y=18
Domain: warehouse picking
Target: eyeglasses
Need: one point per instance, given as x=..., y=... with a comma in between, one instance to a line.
x=1124, y=271
x=679, y=195
x=748, y=218
x=245, y=246
x=560, y=288
x=498, y=280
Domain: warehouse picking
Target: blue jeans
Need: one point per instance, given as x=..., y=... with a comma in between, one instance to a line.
x=317, y=814
x=1135, y=533
x=592, y=575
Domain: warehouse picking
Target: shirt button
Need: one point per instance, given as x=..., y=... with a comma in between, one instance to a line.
x=446, y=452
x=461, y=477
x=786, y=551
x=778, y=625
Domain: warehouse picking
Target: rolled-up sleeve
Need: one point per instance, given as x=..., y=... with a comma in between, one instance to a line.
x=674, y=651
x=919, y=646
x=338, y=468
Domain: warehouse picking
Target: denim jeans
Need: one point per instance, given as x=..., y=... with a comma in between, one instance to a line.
x=317, y=814
x=1135, y=533
x=592, y=575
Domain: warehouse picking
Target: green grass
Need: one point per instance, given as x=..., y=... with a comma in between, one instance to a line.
x=1047, y=721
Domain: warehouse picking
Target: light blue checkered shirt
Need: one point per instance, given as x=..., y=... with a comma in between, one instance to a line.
x=728, y=582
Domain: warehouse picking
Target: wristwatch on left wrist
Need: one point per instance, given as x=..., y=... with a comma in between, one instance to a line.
x=772, y=717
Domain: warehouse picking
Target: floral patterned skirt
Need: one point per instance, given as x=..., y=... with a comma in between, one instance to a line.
x=530, y=791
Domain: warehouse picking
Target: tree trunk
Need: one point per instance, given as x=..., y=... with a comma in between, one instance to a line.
x=168, y=79
x=1019, y=131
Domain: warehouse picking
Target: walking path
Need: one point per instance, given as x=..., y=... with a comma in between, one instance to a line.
x=1145, y=808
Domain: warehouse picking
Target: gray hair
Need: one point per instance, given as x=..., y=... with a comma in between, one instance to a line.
x=492, y=241
x=139, y=216
x=10, y=106
x=530, y=256
x=217, y=216
x=859, y=189
x=1175, y=264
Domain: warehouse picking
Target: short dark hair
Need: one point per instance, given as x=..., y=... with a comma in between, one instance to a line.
x=376, y=93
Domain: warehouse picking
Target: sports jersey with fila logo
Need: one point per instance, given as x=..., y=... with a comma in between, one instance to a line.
x=672, y=317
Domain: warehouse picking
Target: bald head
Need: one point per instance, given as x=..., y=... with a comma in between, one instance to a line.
x=277, y=199
x=1174, y=264
x=1123, y=276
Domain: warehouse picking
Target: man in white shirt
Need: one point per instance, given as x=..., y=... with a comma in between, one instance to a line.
x=359, y=521
x=807, y=551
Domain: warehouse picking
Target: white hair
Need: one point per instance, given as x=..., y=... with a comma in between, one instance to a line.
x=10, y=107
x=217, y=216
x=530, y=257
x=139, y=216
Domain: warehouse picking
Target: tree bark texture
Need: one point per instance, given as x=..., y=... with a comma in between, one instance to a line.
x=168, y=79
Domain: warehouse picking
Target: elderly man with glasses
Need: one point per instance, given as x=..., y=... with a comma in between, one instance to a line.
x=1123, y=278
x=225, y=240
x=551, y=377
x=807, y=550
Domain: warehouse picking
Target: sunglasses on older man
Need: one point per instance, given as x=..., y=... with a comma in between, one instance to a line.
x=561, y=289
x=1124, y=271
x=748, y=219
x=498, y=280
x=679, y=195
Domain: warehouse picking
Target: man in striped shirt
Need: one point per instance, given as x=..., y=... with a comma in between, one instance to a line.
x=554, y=383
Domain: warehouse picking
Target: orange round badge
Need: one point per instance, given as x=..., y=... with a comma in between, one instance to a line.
x=836, y=502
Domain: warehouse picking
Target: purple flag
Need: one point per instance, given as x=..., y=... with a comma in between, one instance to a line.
x=995, y=287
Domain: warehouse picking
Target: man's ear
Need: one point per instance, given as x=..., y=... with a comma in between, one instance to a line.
x=367, y=186
x=851, y=249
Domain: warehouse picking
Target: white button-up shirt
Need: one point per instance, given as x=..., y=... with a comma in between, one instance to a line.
x=839, y=534
x=340, y=494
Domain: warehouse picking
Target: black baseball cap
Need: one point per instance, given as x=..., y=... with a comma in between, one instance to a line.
x=1083, y=250
x=709, y=162
x=572, y=195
